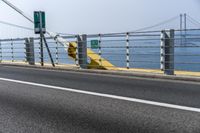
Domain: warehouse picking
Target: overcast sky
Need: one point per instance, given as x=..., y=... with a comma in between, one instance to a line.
x=100, y=16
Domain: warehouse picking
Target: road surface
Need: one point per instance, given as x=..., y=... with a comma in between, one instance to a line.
x=46, y=101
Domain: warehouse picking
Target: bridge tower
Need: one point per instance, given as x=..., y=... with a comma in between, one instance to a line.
x=183, y=28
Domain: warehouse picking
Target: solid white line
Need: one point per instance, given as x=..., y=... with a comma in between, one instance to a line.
x=166, y=105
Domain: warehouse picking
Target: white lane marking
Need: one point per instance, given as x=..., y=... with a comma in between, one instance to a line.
x=185, y=108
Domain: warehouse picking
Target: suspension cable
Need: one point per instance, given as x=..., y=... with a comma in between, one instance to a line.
x=17, y=26
x=158, y=24
x=192, y=20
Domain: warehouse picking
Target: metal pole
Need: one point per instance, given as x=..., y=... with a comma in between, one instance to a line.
x=1, y=52
x=12, y=50
x=48, y=50
x=167, y=52
x=127, y=52
x=27, y=45
x=170, y=53
x=82, y=51
x=41, y=51
x=181, y=28
x=57, y=53
x=185, y=21
x=30, y=55
x=162, y=51
x=32, y=52
x=41, y=41
x=77, y=57
x=185, y=27
x=100, y=51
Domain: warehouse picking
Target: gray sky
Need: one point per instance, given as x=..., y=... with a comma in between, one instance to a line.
x=100, y=16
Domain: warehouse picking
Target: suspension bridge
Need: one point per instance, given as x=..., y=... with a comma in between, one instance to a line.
x=138, y=50
x=144, y=80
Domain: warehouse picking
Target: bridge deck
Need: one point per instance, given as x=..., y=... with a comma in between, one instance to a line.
x=43, y=107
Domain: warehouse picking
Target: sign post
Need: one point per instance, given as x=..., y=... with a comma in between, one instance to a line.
x=40, y=28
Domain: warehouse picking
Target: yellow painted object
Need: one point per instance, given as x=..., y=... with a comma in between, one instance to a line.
x=187, y=73
x=140, y=70
x=96, y=62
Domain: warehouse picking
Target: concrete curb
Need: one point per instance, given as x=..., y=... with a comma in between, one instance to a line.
x=117, y=73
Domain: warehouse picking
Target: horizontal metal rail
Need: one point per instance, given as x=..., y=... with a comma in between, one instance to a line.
x=123, y=50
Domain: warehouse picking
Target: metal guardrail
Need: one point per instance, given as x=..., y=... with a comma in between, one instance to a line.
x=148, y=50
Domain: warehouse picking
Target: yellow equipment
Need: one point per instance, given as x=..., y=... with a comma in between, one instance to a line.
x=96, y=61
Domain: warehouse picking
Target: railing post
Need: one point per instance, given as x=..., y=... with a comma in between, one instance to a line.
x=162, y=50
x=41, y=52
x=167, y=52
x=12, y=50
x=30, y=56
x=100, y=51
x=77, y=57
x=1, y=55
x=82, y=51
x=57, y=60
x=127, y=52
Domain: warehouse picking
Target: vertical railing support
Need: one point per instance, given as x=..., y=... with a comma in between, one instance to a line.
x=30, y=55
x=41, y=52
x=162, y=50
x=167, y=52
x=1, y=54
x=127, y=52
x=181, y=29
x=57, y=58
x=82, y=51
x=77, y=57
x=99, y=50
x=12, y=51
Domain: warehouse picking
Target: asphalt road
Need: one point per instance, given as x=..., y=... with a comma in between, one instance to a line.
x=33, y=109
